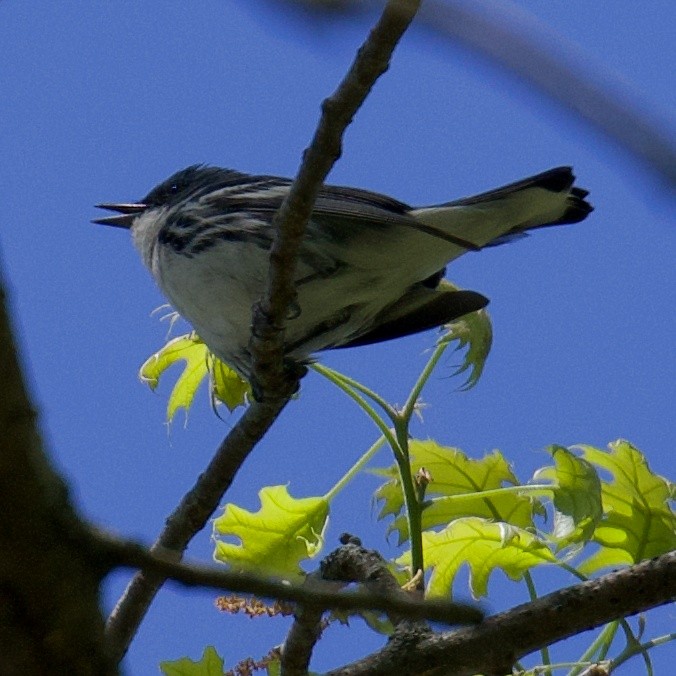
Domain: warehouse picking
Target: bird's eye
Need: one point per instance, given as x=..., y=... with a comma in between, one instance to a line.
x=174, y=189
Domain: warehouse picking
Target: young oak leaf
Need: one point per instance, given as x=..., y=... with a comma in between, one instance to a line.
x=273, y=540
x=484, y=546
x=576, y=496
x=638, y=523
x=474, y=331
x=226, y=385
x=458, y=482
x=211, y=664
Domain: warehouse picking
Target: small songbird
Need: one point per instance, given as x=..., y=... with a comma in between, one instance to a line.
x=370, y=268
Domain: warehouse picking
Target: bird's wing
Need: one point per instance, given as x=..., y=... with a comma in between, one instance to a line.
x=419, y=309
x=337, y=208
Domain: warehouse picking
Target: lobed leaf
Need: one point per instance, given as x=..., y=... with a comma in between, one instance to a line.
x=576, y=496
x=638, y=523
x=277, y=537
x=474, y=331
x=484, y=546
x=226, y=385
x=211, y=664
x=458, y=481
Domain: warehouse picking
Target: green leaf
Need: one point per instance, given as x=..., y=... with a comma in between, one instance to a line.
x=273, y=540
x=210, y=665
x=577, y=496
x=638, y=522
x=474, y=331
x=484, y=546
x=459, y=481
x=274, y=668
x=226, y=385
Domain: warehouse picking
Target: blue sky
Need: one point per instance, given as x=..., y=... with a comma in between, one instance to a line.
x=101, y=101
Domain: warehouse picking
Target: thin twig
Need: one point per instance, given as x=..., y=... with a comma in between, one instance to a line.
x=373, y=58
x=163, y=564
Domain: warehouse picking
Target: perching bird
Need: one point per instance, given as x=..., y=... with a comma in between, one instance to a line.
x=370, y=267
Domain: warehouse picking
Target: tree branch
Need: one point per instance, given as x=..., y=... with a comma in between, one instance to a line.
x=513, y=38
x=163, y=564
x=347, y=564
x=492, y=647
x=50, y=620
x=191, y=515
x=272, y=383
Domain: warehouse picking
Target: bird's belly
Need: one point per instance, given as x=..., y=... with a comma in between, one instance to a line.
x=216, y=289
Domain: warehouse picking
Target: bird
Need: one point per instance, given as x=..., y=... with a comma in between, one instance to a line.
x=370, y=268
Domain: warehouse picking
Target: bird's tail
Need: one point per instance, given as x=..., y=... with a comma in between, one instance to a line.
x=506, y=213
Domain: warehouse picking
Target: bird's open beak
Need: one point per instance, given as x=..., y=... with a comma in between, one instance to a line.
x=126, y=214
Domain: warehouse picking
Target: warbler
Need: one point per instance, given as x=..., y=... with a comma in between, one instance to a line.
x=370, y=268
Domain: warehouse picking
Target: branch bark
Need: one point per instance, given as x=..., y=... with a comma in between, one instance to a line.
x=492, y=647
x=348, y=564
x=50, y=622
x=123, y=553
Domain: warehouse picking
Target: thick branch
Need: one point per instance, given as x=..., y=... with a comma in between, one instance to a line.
x=305, y=631
x=350, y=563
x=50, y=622
x=492, y=647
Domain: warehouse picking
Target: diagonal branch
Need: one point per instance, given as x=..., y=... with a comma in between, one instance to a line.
x=189, y=517
x=272, y=384
x=492, y=647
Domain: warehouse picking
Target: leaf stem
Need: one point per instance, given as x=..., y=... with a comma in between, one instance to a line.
x=630, y=651
x=544, y=651
x=492, y=492
x=356, y=385
x=413, y=506
x=339, y=381
x=412, y=400
x=357, y=467
x=598, y=648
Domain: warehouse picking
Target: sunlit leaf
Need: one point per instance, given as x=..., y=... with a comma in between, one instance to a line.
x=474, y=332
x=638, y=523
x=210, y=665
x=273, y=540
x=457, y=483
x=576, y=496
x=226, y=385
x=273, y=668
x=485, y=546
